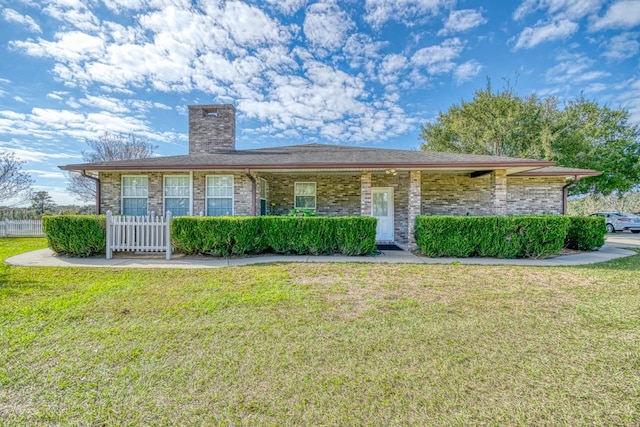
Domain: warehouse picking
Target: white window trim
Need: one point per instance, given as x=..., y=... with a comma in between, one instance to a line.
x=164, y=193
x=207, y=196
x=122, y=196
x=315, y=195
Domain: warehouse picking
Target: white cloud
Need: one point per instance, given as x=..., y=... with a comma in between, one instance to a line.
x=439, y=58
x=466, y=71
x=379, y=12
x=462, y=20
x=288, y=7
x=11, y=15
x=541, y=32
x=621, y=14
x=326, y=25
x=19, y=99
x=573, y=69
x=558, y=9
x=71, y=12
x=621, y=47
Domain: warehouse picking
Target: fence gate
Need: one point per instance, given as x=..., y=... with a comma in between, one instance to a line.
x=138, y=234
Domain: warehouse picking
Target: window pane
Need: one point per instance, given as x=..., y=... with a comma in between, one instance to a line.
x=137, y=207
x=306, y=202
x=263, y=188
x=134, y=186
x=177, y=206
x=305, y=188
x=176, y=186
x=380, y=204
x=220, y=186
x=220, y=207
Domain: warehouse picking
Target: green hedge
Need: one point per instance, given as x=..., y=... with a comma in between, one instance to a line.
x=224, y=236
x=586, y=233
x=75, y=235
x=491, y=236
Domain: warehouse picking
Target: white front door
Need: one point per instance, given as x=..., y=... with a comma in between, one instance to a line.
x=382, y=208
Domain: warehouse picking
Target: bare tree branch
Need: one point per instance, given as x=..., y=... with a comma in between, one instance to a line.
x=14, y=183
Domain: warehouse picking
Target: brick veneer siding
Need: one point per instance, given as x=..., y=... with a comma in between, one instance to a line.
x=498, y=185
x=365, y=194
x=534, y=195
x=209, y=133
x=336, y=195
x=448, y=194
x=415, y=193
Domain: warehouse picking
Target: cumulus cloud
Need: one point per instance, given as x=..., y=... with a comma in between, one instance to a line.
x=326, y=25
x=466, y=71
x=462, y=20
x=558, y=9
x=622, y=47
x=379, y=12
x=439, y=59
x=288, y=7
x=26, y=21
x=621, y=14
x=573, y=69
x=545, y=32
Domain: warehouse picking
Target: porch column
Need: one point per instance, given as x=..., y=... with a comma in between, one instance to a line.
x=415, y=202
x=498, y=185
x=365, y=194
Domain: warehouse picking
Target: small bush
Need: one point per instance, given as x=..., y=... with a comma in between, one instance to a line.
x=217, y=236
x=224, y=236
x=586, y=233
x=491, y=236
x=75, y=235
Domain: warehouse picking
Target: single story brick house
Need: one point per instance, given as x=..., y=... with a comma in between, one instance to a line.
x=393, y=185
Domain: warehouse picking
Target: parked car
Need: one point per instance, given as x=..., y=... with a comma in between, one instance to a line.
x=620, y=221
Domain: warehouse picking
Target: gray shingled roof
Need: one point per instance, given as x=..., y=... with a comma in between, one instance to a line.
x=317, y=156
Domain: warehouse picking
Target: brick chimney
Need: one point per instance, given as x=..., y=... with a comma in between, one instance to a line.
x=212, y=128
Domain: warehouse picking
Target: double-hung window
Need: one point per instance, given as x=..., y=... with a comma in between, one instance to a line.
x=220, y=195
x=305, y=195
x=177, y=194
x=135, y=191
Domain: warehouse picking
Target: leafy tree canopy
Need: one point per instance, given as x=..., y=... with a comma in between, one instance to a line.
x=580, y=134
x=42, y=203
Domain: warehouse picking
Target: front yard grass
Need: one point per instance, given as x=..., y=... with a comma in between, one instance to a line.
x=319, y=344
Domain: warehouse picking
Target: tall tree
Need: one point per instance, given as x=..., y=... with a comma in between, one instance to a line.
x=583, y=134
x=14, y=183
x=105, y=148
x=42, y=203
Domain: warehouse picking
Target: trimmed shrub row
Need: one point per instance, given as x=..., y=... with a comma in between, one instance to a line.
x=224, y=236
x=531, y=236
x=75, y=235
x=586, y=233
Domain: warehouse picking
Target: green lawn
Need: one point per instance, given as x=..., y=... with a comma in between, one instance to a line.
x=319, y=344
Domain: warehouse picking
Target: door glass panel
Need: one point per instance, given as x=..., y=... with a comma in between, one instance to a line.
x=380, y=204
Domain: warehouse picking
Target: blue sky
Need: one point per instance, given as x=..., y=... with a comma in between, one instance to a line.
x=347, y=72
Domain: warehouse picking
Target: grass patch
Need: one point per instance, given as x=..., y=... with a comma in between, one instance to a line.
x=319, y=344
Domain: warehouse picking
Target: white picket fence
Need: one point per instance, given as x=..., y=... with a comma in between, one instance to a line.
x=139, y=234
x=21, y=228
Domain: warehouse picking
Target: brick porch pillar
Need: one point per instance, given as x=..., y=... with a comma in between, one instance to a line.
x=365, y=194
x=415, y=202
x=498, y=185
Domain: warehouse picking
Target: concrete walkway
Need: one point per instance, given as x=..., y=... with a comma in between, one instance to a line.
x=614, y=248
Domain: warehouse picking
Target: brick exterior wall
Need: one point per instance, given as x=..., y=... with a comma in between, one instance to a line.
x=534, y=195
x=448, y=194
x=365, y=193
x=346, y=194
x=336, y=195
x=498, y=186
x=415, y=198
x=212, y=128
